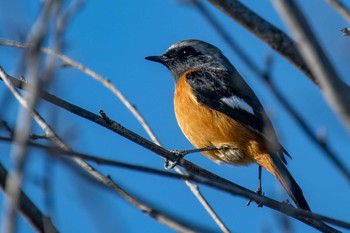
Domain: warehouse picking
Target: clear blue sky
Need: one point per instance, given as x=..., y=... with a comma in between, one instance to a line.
x=113, y=38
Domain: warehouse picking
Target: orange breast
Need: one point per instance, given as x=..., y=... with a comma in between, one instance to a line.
x=205, y=127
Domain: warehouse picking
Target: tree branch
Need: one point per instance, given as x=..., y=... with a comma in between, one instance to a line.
x=32, y=213
x=341, y=8
x=334, y=89
x=264, y=30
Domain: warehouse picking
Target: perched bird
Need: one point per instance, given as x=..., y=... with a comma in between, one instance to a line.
x=215, y=107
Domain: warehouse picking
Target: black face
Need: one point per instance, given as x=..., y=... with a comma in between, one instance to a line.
x=182, y=54
x=178, y=60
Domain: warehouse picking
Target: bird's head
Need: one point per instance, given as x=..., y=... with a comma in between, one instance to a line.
x=191, y=55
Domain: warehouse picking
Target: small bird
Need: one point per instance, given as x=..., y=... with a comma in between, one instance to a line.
x=215, y=107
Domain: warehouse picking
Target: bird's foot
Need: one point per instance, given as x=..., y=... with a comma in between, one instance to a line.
x=260, y=193
x=180, y=154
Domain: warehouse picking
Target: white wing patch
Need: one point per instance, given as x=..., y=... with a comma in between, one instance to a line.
x=238, y=103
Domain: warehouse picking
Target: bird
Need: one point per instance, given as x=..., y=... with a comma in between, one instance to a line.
x=215, y=107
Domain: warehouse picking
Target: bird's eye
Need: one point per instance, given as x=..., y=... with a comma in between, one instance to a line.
x=186, y=52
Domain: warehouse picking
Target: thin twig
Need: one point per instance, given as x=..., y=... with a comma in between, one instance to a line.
x=334, y=89
x=5, y=125
x=203, y=175
x=160, y=217
x=204, y=202
x=194, y=188
x=341, y=8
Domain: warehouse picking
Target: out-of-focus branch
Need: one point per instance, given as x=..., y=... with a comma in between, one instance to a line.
x=106, y=83
x=334, y=89
x=202, y=174
x=29, y=210
x=264, y=30
x=341, y=8
x=18, y=154
x=265, y=76
x=200, y=6
x=160, y=217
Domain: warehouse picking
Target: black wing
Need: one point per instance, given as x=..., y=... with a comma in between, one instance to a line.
x=228, y=93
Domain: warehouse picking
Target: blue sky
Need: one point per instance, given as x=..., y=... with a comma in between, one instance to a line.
x=113, y=38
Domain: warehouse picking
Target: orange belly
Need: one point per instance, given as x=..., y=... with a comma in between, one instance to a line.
x=205, y=127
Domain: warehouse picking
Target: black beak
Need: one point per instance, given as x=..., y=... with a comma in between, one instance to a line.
x=159, y=59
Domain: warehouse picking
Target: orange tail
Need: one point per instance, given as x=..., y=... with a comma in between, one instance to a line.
x=275, y=165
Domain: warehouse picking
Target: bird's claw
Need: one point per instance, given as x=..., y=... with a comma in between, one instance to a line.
x=260, y=193
x=169, y=164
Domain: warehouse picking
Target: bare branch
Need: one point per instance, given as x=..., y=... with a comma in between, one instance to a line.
x=226, y=36
x=198, y=194
x=7, y=128
x=334, y=89
x=32, y=213
x=264, y=30
x=341, y=8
